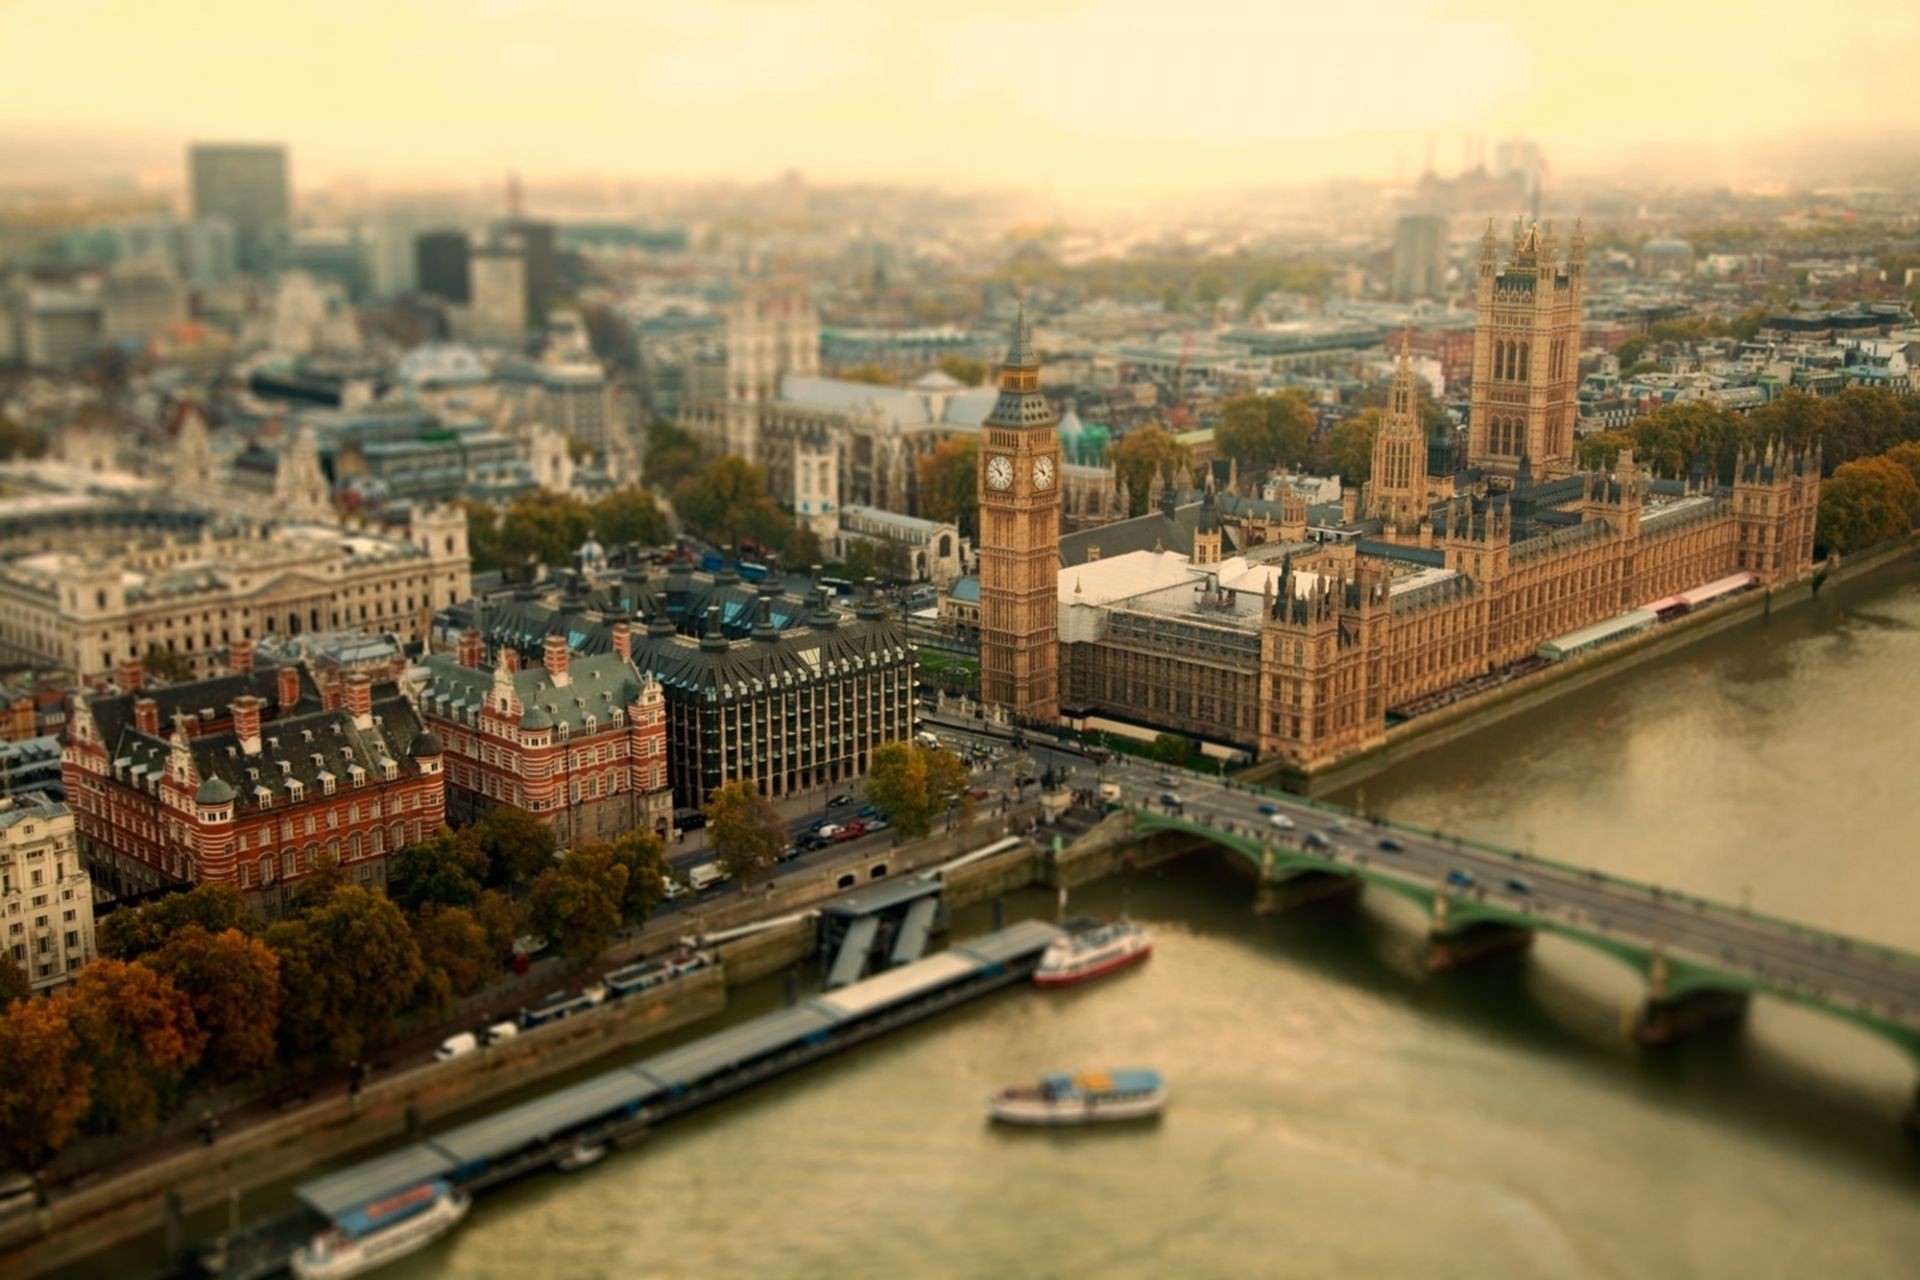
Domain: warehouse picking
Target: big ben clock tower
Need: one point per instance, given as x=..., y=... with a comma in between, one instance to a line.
x=1020, y=542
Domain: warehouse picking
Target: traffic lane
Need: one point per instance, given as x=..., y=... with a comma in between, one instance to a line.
x=1770, y=951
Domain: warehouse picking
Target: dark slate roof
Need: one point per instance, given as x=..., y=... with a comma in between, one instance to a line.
x=1433, y=557
x=741, y=667
x=598, y=685
x=1142, y=533
x=113, y=716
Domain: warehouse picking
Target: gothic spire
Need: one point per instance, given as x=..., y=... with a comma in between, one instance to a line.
x=1020, y=352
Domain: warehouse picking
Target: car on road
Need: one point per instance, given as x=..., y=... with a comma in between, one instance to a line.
x=1388, y=844
x=1171, y=801
x=787, y=854
x=840, y=801
x=1455, y=876
x=1280, y=820
x=813, y=840
x=1516, y=885
x=1268, y=810
x=1315, y=840
x=878, y=824
x=868, y=811
x=705, y=876
x=674, y=888
x=828, y=830
x=500, y=1031
x=689, y=819
x=455, y=1046
x=852, y=831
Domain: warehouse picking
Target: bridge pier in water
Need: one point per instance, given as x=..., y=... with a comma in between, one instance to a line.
x=1662, y=1021
x=1482, y=940
x=1276, y=896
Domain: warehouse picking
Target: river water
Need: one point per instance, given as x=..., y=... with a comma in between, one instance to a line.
x=1336, y=1113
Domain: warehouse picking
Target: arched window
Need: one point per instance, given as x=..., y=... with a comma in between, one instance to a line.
x=397, y=836
x=1523, y=361
x=333, y=850
x=266, y=869
x=379, y=838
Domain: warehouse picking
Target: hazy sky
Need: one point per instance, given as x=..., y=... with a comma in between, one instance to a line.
x=1101, y=97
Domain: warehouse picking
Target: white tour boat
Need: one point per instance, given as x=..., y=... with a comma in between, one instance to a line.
x=1091, y=948
x=1133, y=1093
x=377, y=1234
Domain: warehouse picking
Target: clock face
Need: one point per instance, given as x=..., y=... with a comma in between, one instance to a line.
x=1000, y=472
x=1043, y=473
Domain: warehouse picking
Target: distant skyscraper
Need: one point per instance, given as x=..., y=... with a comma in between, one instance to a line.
x=499, y=275
x=536, y=248
x=248, y=186
x=1419, y=256
x=441, y=265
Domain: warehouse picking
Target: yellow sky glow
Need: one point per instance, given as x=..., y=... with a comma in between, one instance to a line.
x=1106, y=97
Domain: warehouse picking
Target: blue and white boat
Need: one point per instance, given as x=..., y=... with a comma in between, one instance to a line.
x=379, y=1233
x=1130, y=1093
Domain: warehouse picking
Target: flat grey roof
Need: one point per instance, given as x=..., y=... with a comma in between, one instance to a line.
x=694, y=1062
x=898, y=985
x=882, y=897
x=543, y=1118
x=363, y=1183
x=1012, y=943
x=851, y=960
x=911, y=942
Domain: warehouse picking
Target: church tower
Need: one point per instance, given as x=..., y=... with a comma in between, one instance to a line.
x=1396, y=490
x=1526, y=354
x=1019, y=490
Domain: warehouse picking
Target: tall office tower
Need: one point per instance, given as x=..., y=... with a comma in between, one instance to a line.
x=499, y=276
x=1419, y=256
x=248, y=186
x=441, y=265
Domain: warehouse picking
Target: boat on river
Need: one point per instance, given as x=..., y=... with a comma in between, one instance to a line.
x=1132, y=1093
x=382, y=1232
x=1091, y=948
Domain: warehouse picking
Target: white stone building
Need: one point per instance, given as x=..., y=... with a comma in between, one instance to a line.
x=46, y=898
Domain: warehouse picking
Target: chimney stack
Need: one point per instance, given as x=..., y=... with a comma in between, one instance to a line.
x=623, y=639
x=246, y=723
x=288, y=690
x=240, y=657
x=511, y=657
x=132, y=676
x=555, y=658
x=146, y=716
x=473, y=649
x=360, y=699
x=333, y=694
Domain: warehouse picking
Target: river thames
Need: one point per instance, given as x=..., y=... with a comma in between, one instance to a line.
x=1336, y=1113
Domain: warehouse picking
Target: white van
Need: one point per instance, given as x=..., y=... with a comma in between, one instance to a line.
x=502, y=1031
x=926, y=739
x=705, y=876
x=455, y=1046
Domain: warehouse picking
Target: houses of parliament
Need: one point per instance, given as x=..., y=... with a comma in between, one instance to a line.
x=1298, y=634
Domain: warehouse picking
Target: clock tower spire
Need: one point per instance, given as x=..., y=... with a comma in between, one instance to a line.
x=1019, y=490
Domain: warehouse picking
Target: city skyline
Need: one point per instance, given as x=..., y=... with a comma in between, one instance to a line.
x=1088, y=103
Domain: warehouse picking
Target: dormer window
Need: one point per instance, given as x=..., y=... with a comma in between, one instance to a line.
x=326, y=784
x=296, y=789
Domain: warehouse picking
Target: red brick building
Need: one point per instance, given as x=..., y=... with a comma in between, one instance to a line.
x=249, y=779
x=580, y=740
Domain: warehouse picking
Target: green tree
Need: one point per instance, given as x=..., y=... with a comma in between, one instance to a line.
x=644, y=855
x=1866, y=502
x=950, y=484
x=456, y=955
x=727, y=504
x=1798, y=419
x=129, y=933
x=672, y=456
x=1598, y=452
x=174, y=668
x=545, y=528
x=1907, y=456
x=1171, y=748
x=448, y=869
x=502, y=919
x=746, y=833
x=347, y=972
x=14, y=984
x=577, y=904
x=17, y=441
x=964, y=369
x=1350, y=451
x=869, y=373
x=1265, y=432
x=1140, y=455
x=630, y=515
x=1629, y=352
x=323, y=879
x=232, y=983
x=45, y=1083
x=137, y=1033
x=518, y=846
x=483, y=536
x=802, y=548
x=912, y=784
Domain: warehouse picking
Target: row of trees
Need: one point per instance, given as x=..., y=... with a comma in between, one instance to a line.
x=1870, y=500
x=547, y=527
x=193, y=991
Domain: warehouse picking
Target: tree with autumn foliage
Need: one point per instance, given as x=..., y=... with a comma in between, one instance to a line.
x=456, y=955
x=348, y=970
x=1264, y=432
x=950, y=484
x=232, y=982
x=913, y=784
x=644, y=855
x=14, y=984
x=45, y=1084
x=129, y=933
x=1141, y=454
x=1866, y=502
x=138, y=1035
x=447, y=869
x=746, y=832
x=518, y=846
x=576, y=905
